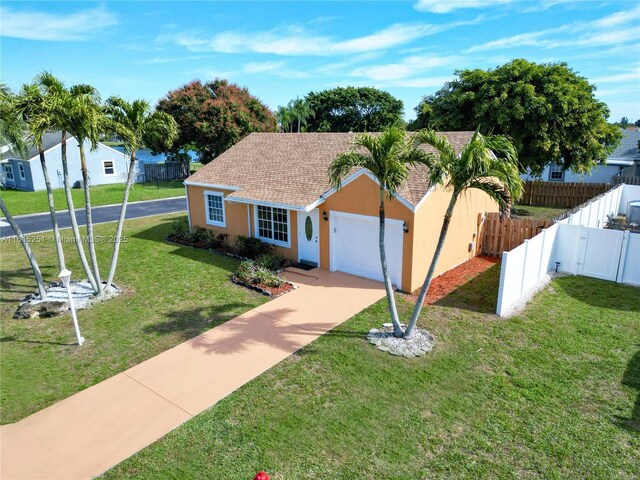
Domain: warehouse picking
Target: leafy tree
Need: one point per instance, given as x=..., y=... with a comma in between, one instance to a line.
x=548, y=110
x=488, y=164
x=137, y=125
x=624, y=122
x=284, y=118
x=300, y=111
x=637, y=123
x=354, y=109
x=213, y=116
x=388, y=157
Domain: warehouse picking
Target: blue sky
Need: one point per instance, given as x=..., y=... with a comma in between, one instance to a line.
x=280, y=50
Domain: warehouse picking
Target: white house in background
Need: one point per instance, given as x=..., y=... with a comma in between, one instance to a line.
x=624, y=161
x=104, y=164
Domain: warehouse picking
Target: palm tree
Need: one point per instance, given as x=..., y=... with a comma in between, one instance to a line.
x=58, y=96
x=283, y=115
x=301, y=111
x=486, y=163
x=388, y=157
x=137, y=125
x=12, y=132
x=34, y=111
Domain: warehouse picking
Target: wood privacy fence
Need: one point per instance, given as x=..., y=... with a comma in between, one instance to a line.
x=560, y=195
x=499, y=235
x=165, y=171
x=627, y=180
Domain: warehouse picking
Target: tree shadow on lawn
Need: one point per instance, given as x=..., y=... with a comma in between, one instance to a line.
x=12, y=338
x=631, y=378
x=12, y=282
x=600, y=293
x=480, y=294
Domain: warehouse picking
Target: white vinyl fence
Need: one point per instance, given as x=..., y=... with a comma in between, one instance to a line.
x=577, y=245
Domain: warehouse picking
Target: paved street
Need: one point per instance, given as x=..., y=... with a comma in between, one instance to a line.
x=42, y=222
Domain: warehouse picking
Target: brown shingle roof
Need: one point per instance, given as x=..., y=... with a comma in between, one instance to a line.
x=291, y=168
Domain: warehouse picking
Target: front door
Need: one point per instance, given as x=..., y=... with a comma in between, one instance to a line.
x=308, y=237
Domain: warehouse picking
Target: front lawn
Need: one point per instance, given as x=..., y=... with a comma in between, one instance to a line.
x=172, y=293
x=545, y=394
x=22, y=203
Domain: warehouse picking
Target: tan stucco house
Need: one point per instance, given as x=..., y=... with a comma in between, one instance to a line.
x=274, y=186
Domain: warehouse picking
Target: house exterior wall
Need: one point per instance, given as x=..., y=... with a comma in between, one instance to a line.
x=599, y=174
x=53, y=157
x=463, y=230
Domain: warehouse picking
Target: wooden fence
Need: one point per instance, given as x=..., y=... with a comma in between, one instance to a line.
x=165, y=171
x=627, y=180
x=499, y=235
x=560, y=195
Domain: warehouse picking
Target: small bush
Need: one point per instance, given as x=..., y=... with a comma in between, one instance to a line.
x=273, y=262
x=180, y=228
x=249, y=272
x=201, y=235
x=251, y=247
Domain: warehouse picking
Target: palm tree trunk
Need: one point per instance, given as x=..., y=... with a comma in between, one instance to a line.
x=434, y=261
x=298, y=124
x=123, y=211
x=72, y=215
x=52, y=211
x=27, y=249
x=87, y=209
x=391, y=300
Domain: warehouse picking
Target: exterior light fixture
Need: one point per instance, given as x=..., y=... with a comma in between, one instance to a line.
x=405, y=227
x=557, y=265
x=325, y=217
x=65, y=276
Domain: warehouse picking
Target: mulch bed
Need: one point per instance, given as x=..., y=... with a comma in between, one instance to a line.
x=271, y=292
x=447, y=282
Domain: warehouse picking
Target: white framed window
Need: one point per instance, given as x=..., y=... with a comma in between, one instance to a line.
x=8, y=171
x=272, y=225
x=556, y=173
x=21, y=171
x=109, y=167
x=214, y=209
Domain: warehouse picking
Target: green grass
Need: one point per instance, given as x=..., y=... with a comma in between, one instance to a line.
x=545, y=394
x=530, y=211
x=172, y=293
x=22, y=203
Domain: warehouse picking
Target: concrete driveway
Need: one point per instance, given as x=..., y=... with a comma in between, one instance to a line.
x=86, y=434
x=41, y=222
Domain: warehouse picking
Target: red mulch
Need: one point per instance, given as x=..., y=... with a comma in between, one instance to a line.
x=447, y=282
x=276, y=291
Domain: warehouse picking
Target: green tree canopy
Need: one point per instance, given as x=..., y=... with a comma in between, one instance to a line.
x=549, y=111
x=213, y=116
x=353, y=109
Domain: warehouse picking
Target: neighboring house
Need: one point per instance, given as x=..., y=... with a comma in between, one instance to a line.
x=105, y=165
x=624, y=161
x=275, y=186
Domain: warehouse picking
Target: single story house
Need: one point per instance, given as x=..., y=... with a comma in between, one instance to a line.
x=275, y=186
x=104, y=164
x=623, y=161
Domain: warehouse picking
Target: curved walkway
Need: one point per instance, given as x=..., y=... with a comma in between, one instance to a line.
x=41, y=222
x=88, y=433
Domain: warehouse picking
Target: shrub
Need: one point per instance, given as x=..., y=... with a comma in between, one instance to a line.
x=251, y=247
x=180, y=228
x=249, y=272
x=273, y=262
x=201, y=235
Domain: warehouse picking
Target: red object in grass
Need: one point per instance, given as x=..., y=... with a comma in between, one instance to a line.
x=261, y=476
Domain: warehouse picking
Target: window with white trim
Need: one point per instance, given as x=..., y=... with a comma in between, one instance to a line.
x=109, y=167
x=273, y=225
x=214, y=205
x=8, y=171
x=21, y=171
x=556, y=173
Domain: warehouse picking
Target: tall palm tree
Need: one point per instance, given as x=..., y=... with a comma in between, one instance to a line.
x=137, y=125
x=57, y=97
x=12, y=131
x=283, y=116
x=301, y=111
x=486, y=163
x=33, y=108
x=388, y=157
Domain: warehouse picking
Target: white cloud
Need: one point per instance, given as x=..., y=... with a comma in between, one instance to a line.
x=610, y=30
x=54, y=27
x=409, y=67
x=447, y=6
x=630, y=76
x=296, y=41
x=261, y=67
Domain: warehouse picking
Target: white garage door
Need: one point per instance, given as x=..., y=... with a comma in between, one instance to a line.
x=354, y=246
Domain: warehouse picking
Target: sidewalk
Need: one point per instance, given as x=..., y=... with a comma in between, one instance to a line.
x=86, y=434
